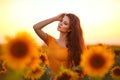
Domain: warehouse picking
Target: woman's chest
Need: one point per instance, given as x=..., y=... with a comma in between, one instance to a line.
x=58, y=53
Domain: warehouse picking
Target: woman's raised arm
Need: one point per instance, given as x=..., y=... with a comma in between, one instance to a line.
x=38, y=27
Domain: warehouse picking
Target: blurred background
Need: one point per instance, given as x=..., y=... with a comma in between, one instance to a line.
x=100, y=19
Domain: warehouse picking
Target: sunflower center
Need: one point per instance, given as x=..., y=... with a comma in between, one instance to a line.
x=37, y=70
x=97, y=61
x=42, y=58
x=117, y=72
x=19, y=49
x=64, y=76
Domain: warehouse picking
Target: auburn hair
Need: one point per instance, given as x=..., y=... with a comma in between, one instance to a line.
x=75, y=41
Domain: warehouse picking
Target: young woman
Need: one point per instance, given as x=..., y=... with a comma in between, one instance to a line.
x=66, y=50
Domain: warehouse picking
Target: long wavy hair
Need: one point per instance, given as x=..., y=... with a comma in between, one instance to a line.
x=75, y=41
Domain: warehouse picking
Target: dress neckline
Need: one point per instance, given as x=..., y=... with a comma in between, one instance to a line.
x=55, y=40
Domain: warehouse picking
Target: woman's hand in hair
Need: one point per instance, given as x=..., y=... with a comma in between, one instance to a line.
x=59, y=17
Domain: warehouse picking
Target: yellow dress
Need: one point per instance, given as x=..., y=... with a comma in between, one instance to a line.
x=57, y=55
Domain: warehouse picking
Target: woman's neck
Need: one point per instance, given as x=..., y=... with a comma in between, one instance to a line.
x=62, y=37
x=62, y=40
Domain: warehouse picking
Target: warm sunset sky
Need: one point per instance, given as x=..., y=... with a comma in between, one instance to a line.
x=100, y=19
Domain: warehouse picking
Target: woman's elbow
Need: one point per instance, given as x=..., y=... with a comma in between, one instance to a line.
x=34, y=27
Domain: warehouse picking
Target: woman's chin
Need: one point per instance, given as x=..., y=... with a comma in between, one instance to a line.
x=58, y=29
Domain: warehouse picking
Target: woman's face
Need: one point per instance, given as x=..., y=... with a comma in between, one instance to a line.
x=63, y=25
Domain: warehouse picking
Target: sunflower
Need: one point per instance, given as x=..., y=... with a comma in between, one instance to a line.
x=44, y=48
x=43, y=58
x=97, y=60
x=35, y=62
x=19, y=49
x=39, y=49
x=115, y=72
x=66, y=74
x=80, y=73
x=3, y=67
x=34, y=74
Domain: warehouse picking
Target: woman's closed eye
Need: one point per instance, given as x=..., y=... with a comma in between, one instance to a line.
x=65, y=23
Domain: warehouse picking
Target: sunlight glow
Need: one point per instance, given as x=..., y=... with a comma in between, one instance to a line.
x=100, y=19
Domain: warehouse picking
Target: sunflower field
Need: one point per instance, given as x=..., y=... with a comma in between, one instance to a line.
x=21, y=58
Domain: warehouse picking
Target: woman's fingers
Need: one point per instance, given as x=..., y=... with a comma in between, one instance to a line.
x=60, y=16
